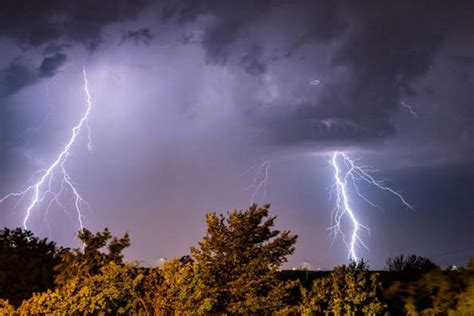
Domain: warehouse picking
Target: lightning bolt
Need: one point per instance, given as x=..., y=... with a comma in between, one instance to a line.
x=409, y=108
x=347, y=174
x=260, y=180
x=44, y=189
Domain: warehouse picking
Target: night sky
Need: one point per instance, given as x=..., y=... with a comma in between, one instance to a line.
x=189, y=97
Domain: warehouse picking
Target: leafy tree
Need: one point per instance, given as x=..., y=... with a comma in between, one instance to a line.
x=348, y=290
x=89, y=260
x=465, y=304
x=410, y=264
x=172, y=289
x=435, y=292
x=232, y=271
x=6, y=308
x=114, y=290
x=26, y=264
x=93, y=281
x=236, y=263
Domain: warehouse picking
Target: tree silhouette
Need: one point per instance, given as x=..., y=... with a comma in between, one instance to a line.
x=26, y=264
x=410, y=264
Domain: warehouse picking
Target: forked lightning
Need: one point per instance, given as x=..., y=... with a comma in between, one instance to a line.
x=347, y=174
x=46, y=189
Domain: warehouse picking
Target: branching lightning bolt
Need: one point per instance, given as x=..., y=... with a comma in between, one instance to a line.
x=44, y=189
x=347, y=172
x=260, y=180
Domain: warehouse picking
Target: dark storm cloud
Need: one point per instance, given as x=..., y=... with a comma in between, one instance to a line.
x=304, y=126
x=57, y=24
x=141, y=36
x=231, y=18
x=34, y=23
x=16, y=76
x=384, y=47
x=51, y=64
x=463, y=60
x=252, y=61
x=55, y=48
x=386, y=50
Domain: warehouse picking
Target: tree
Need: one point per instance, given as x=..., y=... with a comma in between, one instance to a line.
x=410, y=264
x=348, y=290
x=114, y=290
x=89, y=260
x=465, y=304
x=6, y=308
x=233, y=269
x=26, y=264
x=172, y=289
x=92, y=281
x=431, y=292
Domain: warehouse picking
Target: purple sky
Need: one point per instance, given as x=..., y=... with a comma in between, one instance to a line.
x=190, y=95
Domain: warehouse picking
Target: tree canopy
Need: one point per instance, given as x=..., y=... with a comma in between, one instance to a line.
x=347, y=290
x=88, y=260
x=26, y=264
x=233, y=270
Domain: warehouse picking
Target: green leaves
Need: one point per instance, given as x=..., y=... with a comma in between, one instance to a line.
x=237, y=260
x=89, y=260
x=93, y=280
x=233, y=269
x=115, y=290
x=347, y=290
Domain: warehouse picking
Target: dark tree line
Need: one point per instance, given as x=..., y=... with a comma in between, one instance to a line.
x=233, y=270
x=27, y=264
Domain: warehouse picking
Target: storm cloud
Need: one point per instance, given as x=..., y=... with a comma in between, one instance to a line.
x=370, y=54
x=51, y=64
x=190, y=94
x=34, y=23
x=377, y=51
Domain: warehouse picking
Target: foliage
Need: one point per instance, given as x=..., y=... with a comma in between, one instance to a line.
x=26, y=264
x=465, y=304
x=237, y=260
x=408, y=264
x=348, y=290
x=114, y=290
x=432, y=292
x=232, y=271
x=91, y=281
x=88, y=261
x=6, y=308
x=171, y=289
